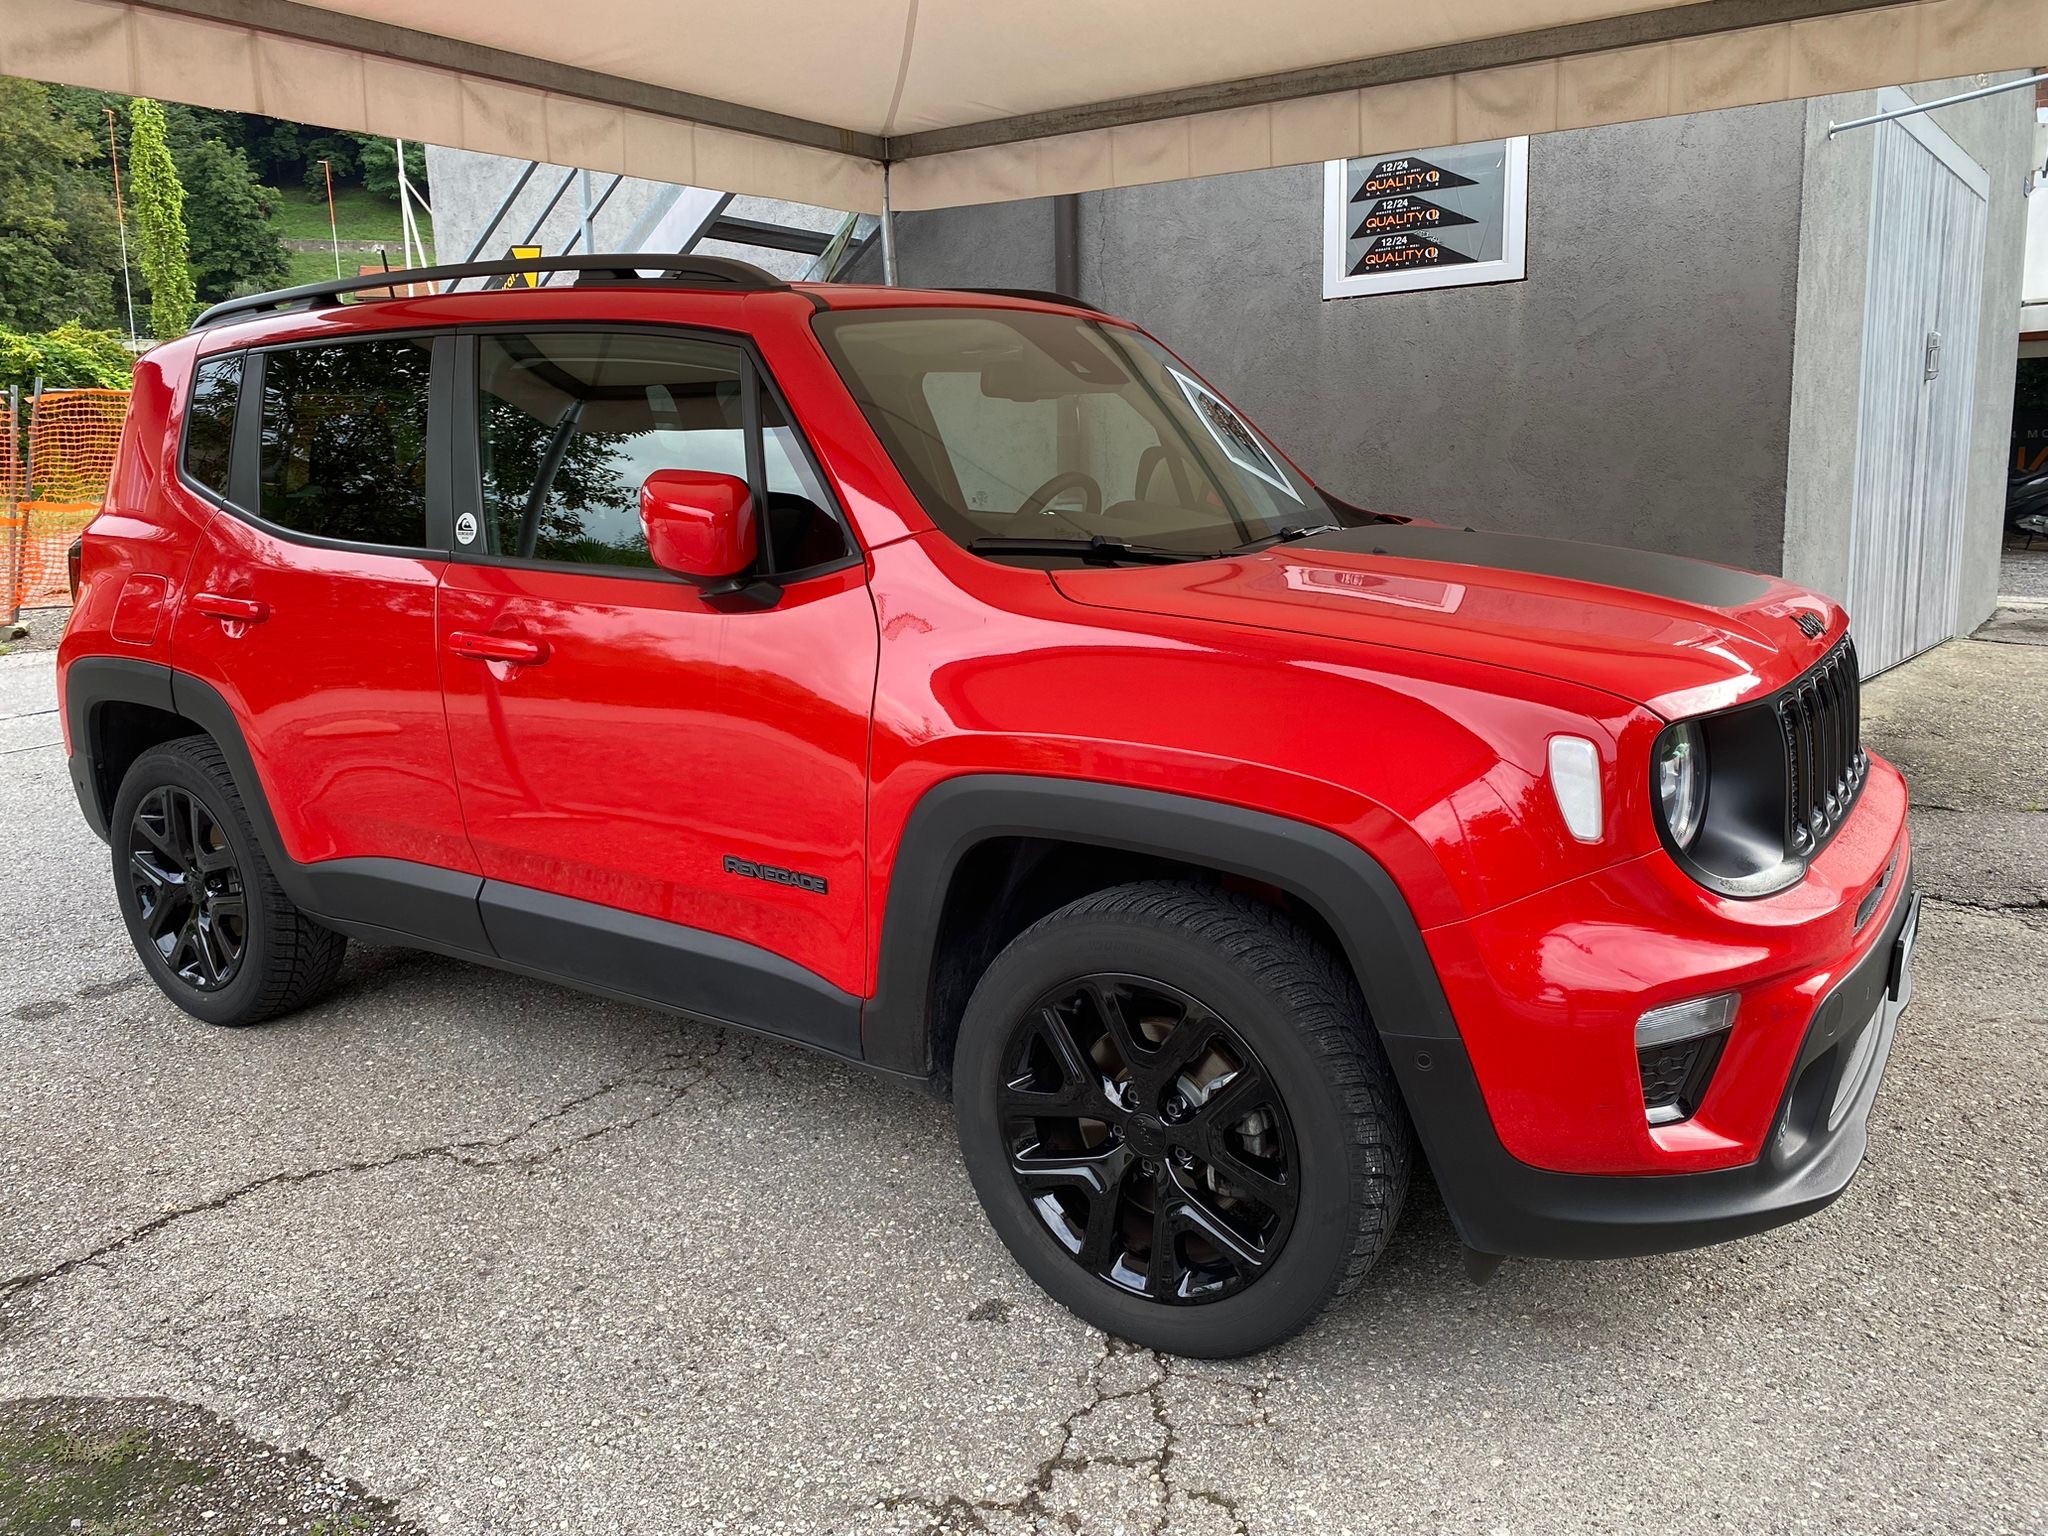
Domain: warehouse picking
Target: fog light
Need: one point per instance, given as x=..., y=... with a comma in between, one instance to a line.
x=1677, y=1049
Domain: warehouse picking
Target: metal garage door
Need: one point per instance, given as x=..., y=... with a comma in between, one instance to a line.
x=1920, y=322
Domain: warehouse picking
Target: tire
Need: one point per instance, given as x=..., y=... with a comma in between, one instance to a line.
x=241, y=953
x=1306, y=1173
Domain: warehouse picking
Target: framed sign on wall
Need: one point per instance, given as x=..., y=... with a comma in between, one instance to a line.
x=1426, y=218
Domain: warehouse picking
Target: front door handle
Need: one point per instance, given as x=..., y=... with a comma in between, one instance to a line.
x=511, y=648
x=231, y=610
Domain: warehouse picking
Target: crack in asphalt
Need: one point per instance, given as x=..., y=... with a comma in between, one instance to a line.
x=955, y=1513
x=1978, y=810
x=2012, y=909
x=480, y=1154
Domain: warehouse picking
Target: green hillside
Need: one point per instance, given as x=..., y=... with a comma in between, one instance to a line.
x=359, y=214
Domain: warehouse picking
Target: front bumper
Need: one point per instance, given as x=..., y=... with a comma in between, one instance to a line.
x=1502, y=1205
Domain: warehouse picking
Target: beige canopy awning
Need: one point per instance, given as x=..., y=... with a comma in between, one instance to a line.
x=966, y=101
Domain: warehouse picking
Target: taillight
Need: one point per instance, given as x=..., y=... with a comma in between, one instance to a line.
x=74, y=557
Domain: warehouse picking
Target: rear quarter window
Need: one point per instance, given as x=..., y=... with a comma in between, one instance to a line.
x=210, y=422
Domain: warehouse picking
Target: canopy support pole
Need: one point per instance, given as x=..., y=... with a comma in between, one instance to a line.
x=1066, y=244
x=888, y=231
x=1929, y=106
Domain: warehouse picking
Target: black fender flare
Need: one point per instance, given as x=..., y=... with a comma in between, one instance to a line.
x=411, y=898
x=1345, y=885
x=86, y=685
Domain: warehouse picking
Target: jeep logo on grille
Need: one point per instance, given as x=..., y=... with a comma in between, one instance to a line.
x=775, y=875
x=1812, y=625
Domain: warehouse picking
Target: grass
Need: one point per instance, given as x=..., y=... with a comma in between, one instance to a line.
x=55, y=1481
x=318, y=266
x=359, y=214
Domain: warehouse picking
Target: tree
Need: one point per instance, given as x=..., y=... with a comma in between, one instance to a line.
x=235, y=248
x=59, y=253
x=159, y=219
x=228, y=209
x=378, y=160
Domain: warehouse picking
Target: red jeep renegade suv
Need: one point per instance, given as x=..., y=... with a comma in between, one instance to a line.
x=956, y=683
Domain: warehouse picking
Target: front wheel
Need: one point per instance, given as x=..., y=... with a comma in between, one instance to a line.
x=1179, y=1118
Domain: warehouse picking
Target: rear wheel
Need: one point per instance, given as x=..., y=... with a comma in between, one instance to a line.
x=206, y=914
x=1178, y=1117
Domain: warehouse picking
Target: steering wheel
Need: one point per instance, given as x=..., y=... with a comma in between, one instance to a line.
x=1159, y=457
x=1041, y=499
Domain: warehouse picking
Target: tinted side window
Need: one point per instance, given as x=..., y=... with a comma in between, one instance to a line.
x=345, y=440
x=571, y=423
x=210, y=421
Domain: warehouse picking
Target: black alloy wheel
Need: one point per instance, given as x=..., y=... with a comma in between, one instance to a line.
x=1148, y=1138
x=188, y=888
x=201, y=903
x=1178, y=1116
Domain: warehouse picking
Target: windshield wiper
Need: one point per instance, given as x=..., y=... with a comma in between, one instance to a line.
x=1290, y=535
x=1095, y=550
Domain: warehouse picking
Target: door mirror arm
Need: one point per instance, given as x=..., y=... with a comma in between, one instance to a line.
x=736, y=592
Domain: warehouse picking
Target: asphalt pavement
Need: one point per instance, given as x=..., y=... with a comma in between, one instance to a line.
x=457, y=1251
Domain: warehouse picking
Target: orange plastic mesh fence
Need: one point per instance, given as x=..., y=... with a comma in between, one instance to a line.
x=10, y=455
x=72, y=435
x=70, y=441
x=47, y=529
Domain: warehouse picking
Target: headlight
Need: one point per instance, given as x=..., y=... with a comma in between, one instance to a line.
x=1681, y=777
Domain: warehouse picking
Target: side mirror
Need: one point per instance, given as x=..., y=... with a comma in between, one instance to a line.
x=698, y=524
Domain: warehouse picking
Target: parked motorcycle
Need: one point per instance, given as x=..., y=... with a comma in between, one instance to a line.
x=2026, y=506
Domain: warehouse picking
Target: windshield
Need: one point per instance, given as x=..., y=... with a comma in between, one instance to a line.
x=1020, y=424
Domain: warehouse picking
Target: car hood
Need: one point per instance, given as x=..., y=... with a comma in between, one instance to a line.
x=1681, y=637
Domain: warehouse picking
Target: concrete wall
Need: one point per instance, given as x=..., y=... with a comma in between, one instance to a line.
x=1835, y=191
x=1633, y=389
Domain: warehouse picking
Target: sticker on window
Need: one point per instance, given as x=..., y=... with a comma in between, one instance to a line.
x=1240, y=444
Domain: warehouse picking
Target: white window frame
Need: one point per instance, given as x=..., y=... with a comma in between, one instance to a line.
x=1511, y=266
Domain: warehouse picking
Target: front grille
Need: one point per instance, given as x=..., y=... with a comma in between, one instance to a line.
x=1821, y=720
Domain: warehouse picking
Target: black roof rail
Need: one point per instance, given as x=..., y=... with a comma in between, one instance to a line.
x=624, y=269
x=1043, y=295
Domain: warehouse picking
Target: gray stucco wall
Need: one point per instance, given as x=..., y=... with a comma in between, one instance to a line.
x=1632, y=389
x=1997, y=133
x=996, y=245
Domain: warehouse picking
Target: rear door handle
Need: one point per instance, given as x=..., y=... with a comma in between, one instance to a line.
x=521, y=653
x=232, y=610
